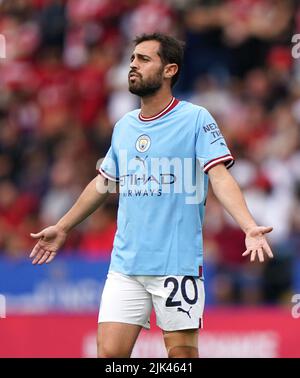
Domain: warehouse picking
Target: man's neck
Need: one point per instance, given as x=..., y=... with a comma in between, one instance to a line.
x=152, y=105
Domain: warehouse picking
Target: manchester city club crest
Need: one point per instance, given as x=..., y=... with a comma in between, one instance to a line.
x=143, y=143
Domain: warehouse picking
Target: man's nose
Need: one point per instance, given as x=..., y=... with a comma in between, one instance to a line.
x=133, y=64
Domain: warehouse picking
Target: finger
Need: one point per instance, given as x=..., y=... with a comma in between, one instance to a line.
x=44, y=257
x=260, y=230
x=51, y=257
x=260, y=255
x=35, y=250
x=266, y=230
x=38, y=235
x=253, y=255
x=38, y=256
x=268, y=250
x=246, y=253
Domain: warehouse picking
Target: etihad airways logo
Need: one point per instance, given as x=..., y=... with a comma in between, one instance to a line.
x=135, y=179
x=135, y=184
x=148, y=177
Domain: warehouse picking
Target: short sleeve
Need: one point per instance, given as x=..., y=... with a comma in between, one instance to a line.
x=211, y=147
x=109, y=167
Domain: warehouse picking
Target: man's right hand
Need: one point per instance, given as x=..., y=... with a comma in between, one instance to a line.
x=50, y=240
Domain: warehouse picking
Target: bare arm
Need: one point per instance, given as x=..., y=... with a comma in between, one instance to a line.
x=230, y=196
x=53, y=237
x=89, y=200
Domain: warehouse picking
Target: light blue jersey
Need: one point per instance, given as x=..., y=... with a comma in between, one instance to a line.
x=161, y=164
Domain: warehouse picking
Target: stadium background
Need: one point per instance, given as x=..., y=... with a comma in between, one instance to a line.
x=63, y=85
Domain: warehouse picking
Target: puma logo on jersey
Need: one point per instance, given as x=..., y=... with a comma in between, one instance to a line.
x=179, y=309
x=142, y=160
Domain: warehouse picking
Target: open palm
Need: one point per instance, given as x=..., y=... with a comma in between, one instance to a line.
x=50, y=240
x=256, y=243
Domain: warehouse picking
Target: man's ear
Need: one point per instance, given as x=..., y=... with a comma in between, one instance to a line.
x=170, y=70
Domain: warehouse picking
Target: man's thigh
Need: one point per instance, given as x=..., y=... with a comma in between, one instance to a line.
x=116, y=340
x=182, y=344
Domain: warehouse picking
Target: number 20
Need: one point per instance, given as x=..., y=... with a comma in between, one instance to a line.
x=172, y=280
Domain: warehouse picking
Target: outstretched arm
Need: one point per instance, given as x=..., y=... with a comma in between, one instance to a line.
x=230, y=196
x=52, y=238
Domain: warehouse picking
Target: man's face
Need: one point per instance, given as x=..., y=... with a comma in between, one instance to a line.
x=146, y=69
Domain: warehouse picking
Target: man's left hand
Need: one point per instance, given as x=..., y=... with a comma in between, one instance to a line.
x=257, y=244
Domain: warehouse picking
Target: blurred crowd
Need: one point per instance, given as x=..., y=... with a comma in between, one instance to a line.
x=63, y=85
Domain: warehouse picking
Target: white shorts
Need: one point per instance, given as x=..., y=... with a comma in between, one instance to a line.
x=178, y=301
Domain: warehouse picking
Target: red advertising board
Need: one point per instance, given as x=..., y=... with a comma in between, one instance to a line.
x=240, y=332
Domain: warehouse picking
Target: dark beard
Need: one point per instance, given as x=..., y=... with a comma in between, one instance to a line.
x=144, y=89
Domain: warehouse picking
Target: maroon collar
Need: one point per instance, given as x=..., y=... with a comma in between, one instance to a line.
x=171, y=105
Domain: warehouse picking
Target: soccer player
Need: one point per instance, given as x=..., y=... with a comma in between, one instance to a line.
x=158, y=154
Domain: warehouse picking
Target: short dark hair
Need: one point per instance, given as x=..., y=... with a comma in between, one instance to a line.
x=170, y=50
